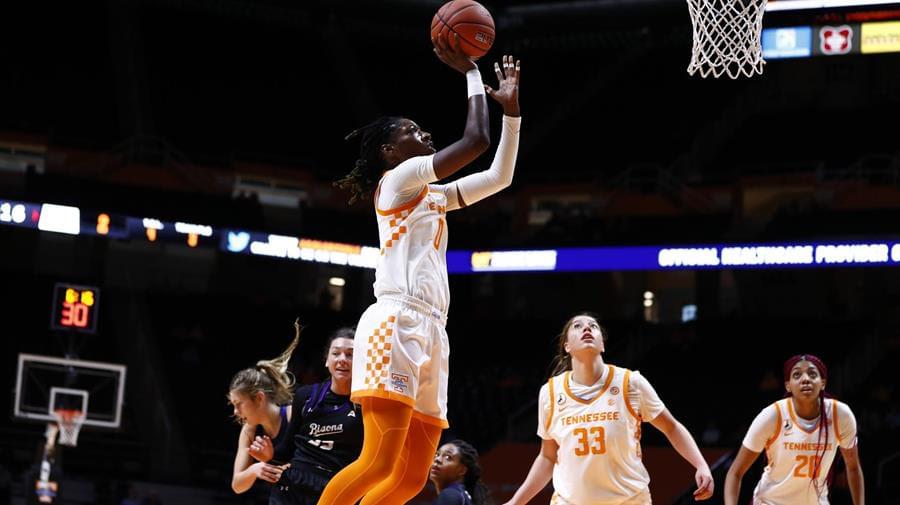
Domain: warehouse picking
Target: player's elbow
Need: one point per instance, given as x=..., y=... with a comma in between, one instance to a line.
x=479, y=142
x=237, y=487
x=854, y=470
x=734, y=474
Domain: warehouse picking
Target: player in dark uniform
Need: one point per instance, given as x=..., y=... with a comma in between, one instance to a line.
x=42, y=479
x=326, y=429
x=456, y=475
x=261, y=398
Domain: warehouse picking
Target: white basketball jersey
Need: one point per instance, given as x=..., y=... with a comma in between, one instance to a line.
x=599, y=458
x=792, y=453
x=413, y=240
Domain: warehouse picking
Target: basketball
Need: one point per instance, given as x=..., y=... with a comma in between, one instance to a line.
x=470, y=21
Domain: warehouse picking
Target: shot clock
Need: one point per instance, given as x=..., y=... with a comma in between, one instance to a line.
x=75, y=308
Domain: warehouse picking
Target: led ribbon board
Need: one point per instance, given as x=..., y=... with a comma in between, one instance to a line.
x=605, y=259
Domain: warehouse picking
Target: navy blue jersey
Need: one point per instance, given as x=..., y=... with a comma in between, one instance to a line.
x=327, y=428
x=283, y=442
x=454, y=494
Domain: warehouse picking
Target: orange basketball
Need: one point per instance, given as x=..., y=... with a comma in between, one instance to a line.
x=468, y=19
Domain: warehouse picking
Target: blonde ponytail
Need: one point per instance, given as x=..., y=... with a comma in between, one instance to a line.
x=270, y=376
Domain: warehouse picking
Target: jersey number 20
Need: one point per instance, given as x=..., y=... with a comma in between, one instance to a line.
x=808, y=466
x=590, y=441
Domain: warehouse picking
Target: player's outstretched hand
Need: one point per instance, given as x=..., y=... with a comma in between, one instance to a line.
x=705, y=484
x=261, y=449
x=447, y=50
x=507, y=92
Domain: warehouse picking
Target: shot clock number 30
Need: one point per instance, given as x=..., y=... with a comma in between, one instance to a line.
x=75, y=308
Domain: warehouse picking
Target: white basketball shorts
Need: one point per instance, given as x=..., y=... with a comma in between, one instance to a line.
x=401, y=353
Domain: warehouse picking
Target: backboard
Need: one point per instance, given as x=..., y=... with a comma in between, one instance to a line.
x=47, y=383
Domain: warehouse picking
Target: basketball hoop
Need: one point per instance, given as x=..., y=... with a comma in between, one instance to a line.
x=69, y=422
x=727, y=37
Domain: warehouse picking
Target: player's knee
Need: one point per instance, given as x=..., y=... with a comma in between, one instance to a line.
x=411, y=489
x=380, y=469
x=414, y=481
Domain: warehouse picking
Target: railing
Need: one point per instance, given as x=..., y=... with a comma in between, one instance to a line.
x=876, y=168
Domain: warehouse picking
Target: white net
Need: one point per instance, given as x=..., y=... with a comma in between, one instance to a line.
x=69, y=422
x=726, y=37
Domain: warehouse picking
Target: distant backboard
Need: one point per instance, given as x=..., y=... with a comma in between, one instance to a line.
x=48, y=383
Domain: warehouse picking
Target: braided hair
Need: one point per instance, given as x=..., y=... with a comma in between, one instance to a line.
x=823, y=413
x=270, y=377
x=362, y=180
x=476, y=487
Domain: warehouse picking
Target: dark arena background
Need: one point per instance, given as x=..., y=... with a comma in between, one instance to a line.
x=174, y=159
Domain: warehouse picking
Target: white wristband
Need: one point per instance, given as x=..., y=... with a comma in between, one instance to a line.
x=473, y=81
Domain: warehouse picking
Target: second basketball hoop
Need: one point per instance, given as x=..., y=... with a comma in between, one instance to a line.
x=69, y=422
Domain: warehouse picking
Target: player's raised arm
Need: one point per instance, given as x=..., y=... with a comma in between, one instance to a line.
x=476, y=136
x=507, y=92
x=479, y=186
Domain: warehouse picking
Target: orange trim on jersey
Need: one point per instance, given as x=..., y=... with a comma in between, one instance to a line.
x=437, y=236
x=609, y=378
x=552, y=402
x=834, y=421
x=777, y=428
x=790, y=402
x=380, y=393
x=637, y=439
x=406, y=206
x=625, y=396
x=434, y=421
